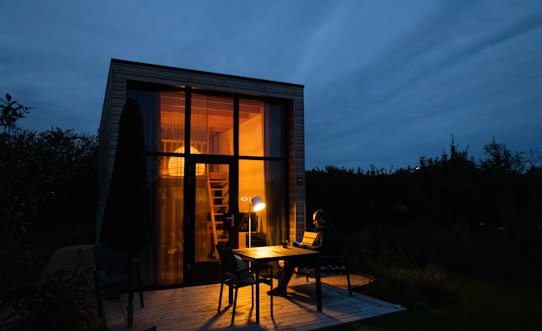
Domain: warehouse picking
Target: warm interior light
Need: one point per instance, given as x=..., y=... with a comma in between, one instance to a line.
x=257, y=204
x=175, y=164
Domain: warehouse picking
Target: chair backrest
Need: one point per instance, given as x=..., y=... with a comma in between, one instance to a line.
x=233, y=266
x=227, y=259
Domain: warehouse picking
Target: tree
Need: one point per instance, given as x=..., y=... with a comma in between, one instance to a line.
x=501, y=160
x=10, y=112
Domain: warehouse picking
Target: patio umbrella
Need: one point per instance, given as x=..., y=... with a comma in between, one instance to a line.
x=126, y=223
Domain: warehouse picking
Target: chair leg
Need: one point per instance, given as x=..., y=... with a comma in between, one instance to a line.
x=271, y=285
x=349, y=285
x=141, y=298
x=140, y=289
x=234, y=305
x=271, y=299
x=220, y=297
x=347, y=271
x=98, y=295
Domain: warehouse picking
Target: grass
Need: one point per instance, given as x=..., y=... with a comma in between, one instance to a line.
x=484, y=304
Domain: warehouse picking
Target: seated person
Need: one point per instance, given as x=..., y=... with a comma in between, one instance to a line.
x=327, y=242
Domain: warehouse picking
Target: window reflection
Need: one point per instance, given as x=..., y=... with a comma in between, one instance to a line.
x=251, y=127
x=261, y=128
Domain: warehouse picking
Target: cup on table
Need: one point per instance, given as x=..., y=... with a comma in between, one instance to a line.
x=285, y=243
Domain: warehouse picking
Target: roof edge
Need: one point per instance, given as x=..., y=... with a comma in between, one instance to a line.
x=120, y=61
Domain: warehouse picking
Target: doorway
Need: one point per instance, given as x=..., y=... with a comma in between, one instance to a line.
x=210, y=187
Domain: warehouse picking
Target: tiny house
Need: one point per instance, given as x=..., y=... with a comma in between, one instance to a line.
x=213, y=142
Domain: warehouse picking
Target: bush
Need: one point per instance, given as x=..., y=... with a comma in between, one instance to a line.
x=58, y=302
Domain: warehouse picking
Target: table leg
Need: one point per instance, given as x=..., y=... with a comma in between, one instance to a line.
x=257, y=265
x=318, y=286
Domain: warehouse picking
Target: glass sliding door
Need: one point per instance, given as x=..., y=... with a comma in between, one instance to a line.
x=262, y=170
x=171, y=190
x=163, y=110
x=265, y=179
x=171, y=229
x=212, y=203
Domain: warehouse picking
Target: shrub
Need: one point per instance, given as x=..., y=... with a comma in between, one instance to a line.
x=58, y=302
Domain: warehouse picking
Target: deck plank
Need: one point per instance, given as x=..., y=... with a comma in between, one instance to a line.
x=195, y=308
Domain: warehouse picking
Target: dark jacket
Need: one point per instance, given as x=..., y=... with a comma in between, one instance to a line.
x=328, y=240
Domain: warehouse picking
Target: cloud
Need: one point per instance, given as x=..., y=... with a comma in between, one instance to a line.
x=385, y=81
x=454, y=73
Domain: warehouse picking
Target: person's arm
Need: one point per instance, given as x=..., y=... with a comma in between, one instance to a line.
x=326, y=242
x=298, y=244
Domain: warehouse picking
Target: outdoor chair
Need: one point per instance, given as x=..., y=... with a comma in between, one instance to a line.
x=334, y=263
x=112, y=271
x=235, y=274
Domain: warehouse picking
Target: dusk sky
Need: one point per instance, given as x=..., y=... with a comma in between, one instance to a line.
x=386, y=82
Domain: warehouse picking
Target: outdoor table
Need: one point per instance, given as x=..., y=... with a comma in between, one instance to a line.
x=264, y=254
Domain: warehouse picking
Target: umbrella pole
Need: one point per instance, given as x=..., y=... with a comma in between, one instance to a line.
x=130, y=308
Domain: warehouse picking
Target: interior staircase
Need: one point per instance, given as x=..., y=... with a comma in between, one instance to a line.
x=218, y=188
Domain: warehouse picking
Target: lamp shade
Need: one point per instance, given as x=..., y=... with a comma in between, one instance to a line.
x=176, y=163
x=257, y=204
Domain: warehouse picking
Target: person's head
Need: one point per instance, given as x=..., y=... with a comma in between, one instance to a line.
x=319, y=218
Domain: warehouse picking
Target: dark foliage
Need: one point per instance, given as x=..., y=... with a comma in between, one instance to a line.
x=47, y=179
x=10, y=112
x=448, y=192
x=55, y=303
x=48, y=184
x=450, y=210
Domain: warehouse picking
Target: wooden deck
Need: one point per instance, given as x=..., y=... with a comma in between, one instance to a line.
x=195, y=308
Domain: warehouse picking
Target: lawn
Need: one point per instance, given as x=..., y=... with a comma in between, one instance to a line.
x=484, y=304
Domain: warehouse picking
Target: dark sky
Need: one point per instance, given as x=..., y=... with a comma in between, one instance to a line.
x=386, y=81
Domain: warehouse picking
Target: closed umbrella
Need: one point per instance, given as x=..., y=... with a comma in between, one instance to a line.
x=126, y=223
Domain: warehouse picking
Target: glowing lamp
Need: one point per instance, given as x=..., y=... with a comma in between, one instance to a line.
x=255, y=204
x=175, y=164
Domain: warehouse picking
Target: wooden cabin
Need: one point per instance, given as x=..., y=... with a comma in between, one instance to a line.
x=212, y=142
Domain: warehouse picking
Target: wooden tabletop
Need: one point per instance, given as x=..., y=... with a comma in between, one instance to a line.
x=263, y=254
x=271, y=253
